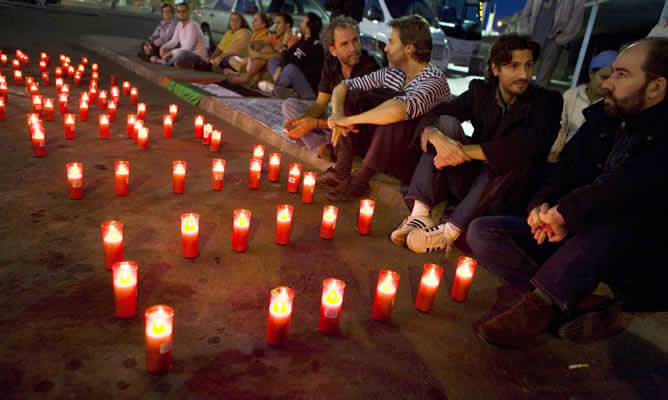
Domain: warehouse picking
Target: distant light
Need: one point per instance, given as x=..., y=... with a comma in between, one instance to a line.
x=499, y=24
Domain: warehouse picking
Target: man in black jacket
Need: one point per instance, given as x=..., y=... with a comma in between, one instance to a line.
x=602, y=212
x=515, y=124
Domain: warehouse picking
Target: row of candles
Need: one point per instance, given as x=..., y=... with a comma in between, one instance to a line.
x=159, y=319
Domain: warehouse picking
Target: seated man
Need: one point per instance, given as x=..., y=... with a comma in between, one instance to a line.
x=601, y=211
x=234, y=41
x=299, y=67
x=345, y=61
x=383, y=107
x=580, y=97
x=514, y=121
x=186, y=48
x=163, y=32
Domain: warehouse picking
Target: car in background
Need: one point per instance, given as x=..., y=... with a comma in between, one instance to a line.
x=214, y=17
x=461, y=23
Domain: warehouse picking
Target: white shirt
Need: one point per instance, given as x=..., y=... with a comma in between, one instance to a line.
x=575, y=100
x=188, y=38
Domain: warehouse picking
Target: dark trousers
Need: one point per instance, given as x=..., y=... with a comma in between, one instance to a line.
x=155, y=51
x=570, y=270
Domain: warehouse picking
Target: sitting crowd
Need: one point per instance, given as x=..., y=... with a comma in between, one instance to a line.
x=554, y=194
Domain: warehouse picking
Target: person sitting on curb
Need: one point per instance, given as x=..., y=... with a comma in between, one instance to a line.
x=580, y=97
x=163, y=32
x=515, y=122
x=261, y=23
x=345, y=61
x=375, y=115
x=297, y=71
x=234, y=41
x=260, y=51
x=600, y=212
x=186, y=48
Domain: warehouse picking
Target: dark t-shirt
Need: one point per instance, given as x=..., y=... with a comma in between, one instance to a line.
x=332, y=74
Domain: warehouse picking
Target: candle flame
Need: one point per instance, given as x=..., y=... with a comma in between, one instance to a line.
x=275, y=160
x=83, y=105
x=190, y=224
x=38, y=135
x=279, y=306
x=124, y=279
x=241, y=220
x=167, y=120
x=295, y=170
x=179, y=169
x=216, y=135
x=63, y=97
x=465, y=271
x=48, y=103
x=114, y=91
x=218, y=167
x=330, y=215
x=258, y=152
x=143, y=133
x=69, y=120
x=208, y=128
x=256, y=166
x=104, y=119
x=367, y=209
x=332, y=297
x=199, y=120
x=112, y=105
x=158, y=326
x=141, y=107
x=132, y=119
x=431, y=279
x=74, y=172
x=284, y=215
x=113, y=235
x=387, y=286
x=37, y=100
x=122, y=169
x=309, y=179
x=173, y=109
x=126, y=84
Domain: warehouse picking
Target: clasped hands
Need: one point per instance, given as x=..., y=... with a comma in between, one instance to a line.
x=449, y=152
x=547, y=223
x=340, y=126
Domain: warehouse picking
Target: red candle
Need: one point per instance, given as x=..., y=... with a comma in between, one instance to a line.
x=3, y=60
x=62, y=103
x=217, y=173
x=33, y=119
x=142, y=138
x=283, y=223
x=102, y=99
x=141, y=111
x=92, y=94
x=431, y=278
x=58, y=72
x=366, y=216
x=84, y=60
x=18, y=76
x=65, y=88
x=83, y=110
x=93, y=67
x=240, y=228
x=16, y=63
x=37, y=104
x=308, y=187
x=388, y=282
x=115, y=94
x=190, y=235
x=139, y=124
x=70, y=72
x=112, y=80
x=104, y=126
x=216, y=137
x=131, y=118
x=38, y=142
x=42, y=65
x=173, y=111
x=274, y=166
x=112, y=242
x=75, y=180
x=330, y=305
x=206, y=134
x=48, y=109
x=199, y=125
x=77, y=79
x=280, y=310
x=167, y=126
x=126, y=88
x=133, y=95
x=258, y=152
x=81, y=69
x=293, y=178
x=179, y=176
x=463, y=278
x=45, y=78
x=254, y=173
x=3, y=115
x=111, y=110
x=94, y=76
x=3, y=90
x=70, y=126
x=122, y=177
x=328, y=225
x=59, y=84
x=159, y=330
x=124, y=275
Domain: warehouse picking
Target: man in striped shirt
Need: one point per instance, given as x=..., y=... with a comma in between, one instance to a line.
x=375, y=115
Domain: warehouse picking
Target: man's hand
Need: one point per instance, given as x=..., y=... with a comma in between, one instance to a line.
x=163, y=52
x=277, y=73
x=340, y=126
x=449, y=152
x=556, y=225
x=538, y=227
x=298, y=127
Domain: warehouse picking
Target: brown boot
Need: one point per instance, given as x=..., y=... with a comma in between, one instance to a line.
x=528, y=318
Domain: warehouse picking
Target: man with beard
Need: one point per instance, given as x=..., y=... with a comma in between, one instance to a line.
x=601, y=211
x=345, y=61
x=515, y=123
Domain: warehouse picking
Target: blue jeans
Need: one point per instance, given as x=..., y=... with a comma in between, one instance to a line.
x=291, y=77
x=293, y=108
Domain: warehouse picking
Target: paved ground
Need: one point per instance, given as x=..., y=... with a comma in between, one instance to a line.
x=60, y=339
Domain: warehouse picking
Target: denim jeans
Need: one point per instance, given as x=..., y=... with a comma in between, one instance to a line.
x=291, y=77
x=186, y=59
x=293, y=108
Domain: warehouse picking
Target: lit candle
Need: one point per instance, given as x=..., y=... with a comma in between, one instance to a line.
x=70, y=126
x=431, y=278
x=308, y=187
x=122, y=177
x=83, y=110
x=283, y=224
x=58, y=72
x=38, y=142
x=45, y=78
x=190, y=235
x=92, y=94
x=94, y=76
x=463, y=278
x=84, y=60
x=280, y=310
x=70, y=72
x=139, y=124
x=112, y=242
x=240, y=227
x=84, y=97
x=216, y=137
x=179, y=176
x=274, y=166
x=173, y=111
x=111, y=110
x=217, y=173
x=102, y=99
x=62, y=103
x=37, y=104
x=42, y=65
x=328, y=225
x=112, y=80
x=206, y=134
x=59, y=84
x=81, y=69
x=254, y=173
x=330, y=305
x=18, y=76
x=293, y=177
x=104, y=126
x=126, y=88
x=34, y=89
x=3, y=60
x=77, y=79
x=133, y=95
x=159, y=330
x=386, y=290
x=366, y=216
x=258, y=152
x=167, y=125
x=75, y=180
x=124, y=275
x=16, y=63
x=115, y=94
x=93, y=67
x=142, y=138
x=3, y=91
x=199, y=125
x=3, y=115
x=131, y=118
x=48, y=109
x=141, y=111
x=65, y=89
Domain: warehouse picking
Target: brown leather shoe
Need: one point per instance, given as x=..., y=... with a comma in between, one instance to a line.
x=329, y=178
x=528, y=318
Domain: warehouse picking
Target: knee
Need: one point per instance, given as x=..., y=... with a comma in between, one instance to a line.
x=289, y=108
x=450, y=126
x=479, y=233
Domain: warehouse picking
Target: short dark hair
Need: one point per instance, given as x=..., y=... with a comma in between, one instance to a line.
x=314, y=24
x=266, y=19
x=414, y=29
x=287, y=18
x=167, y=5
x=502, y=51
x=656, y=62
x=244, y=23
x=184, y=4
x=339, y=22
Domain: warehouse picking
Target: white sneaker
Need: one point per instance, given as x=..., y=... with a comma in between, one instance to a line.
x=398, y=236
x=266, y=86
x=435, y=238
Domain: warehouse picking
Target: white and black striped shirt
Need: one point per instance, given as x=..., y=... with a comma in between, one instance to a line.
x=429, y=88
